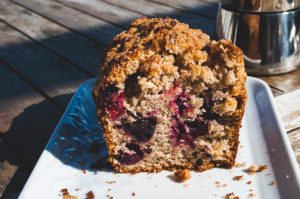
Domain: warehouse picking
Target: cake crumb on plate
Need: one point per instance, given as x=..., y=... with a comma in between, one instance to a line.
x=182, y=175
x=238, y=178
x=256, y=168
x=90, y=195
x=66, y=194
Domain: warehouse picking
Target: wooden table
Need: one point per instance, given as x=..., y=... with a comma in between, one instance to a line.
x=48, y=48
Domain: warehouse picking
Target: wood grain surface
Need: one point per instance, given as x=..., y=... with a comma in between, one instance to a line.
x=48, y=48
x=54, y=37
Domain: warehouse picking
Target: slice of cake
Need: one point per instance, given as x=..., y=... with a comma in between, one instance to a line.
x=170, y=98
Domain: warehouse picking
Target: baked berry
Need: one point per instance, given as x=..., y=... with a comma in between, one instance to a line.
x=181, y=132
x=113, y=102
x=198, y=127
x=134, y=155
x=182, y=104
x=128, y=158
x=142, y=129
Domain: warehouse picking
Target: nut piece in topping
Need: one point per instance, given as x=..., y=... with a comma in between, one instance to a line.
x=256, y=168
x=182, y=175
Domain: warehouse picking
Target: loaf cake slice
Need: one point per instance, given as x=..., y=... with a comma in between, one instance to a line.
x=170, y=98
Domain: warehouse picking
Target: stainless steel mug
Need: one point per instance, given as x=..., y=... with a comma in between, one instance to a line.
x=267, y=31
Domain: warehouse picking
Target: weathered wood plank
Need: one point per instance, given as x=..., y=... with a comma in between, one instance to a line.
x=289, y=108
x=151, y=9
x=7, y=171
x=13, y=174
x=26, y=118
x=276, y=92
x=294, y=138
x=72, y=47
x=7, y=168
x=96, y=30
x=286, y=82
x=46, y=71
x=199, y=7
x=116, y=15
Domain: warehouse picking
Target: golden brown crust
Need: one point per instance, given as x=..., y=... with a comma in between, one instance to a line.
x=165, y=46
x=141, y=45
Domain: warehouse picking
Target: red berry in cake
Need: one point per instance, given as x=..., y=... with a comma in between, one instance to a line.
x=113, y=102
x=181, y=132
x=181, y=104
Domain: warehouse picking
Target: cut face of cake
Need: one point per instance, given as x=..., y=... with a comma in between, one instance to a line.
x=170, y=98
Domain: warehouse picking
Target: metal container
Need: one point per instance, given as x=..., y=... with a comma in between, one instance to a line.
x=260, y=5
x=270, y=40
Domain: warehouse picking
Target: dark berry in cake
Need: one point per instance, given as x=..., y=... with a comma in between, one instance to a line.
x=142, y=129
x=134, y=155
x=113, y=101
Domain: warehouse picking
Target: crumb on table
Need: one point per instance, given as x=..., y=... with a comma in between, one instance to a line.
x=182, y=175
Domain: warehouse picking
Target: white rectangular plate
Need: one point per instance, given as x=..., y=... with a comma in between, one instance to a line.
x=263, y=141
